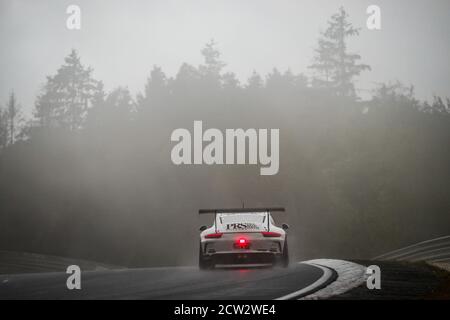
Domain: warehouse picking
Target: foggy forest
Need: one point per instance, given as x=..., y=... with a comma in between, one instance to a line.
x=89, y=174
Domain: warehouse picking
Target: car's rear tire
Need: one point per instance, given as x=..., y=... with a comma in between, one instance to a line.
x=203, y=264
x=285, y=256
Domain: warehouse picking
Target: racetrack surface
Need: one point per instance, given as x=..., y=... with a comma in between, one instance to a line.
x=186, y=283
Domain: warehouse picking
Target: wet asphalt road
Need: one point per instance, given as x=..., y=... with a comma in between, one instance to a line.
x=184, y=283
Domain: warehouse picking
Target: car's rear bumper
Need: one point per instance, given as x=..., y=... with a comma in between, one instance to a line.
x=248, y=257
x=228, y=244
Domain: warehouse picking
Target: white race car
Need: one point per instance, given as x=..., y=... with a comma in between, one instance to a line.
x=246, y=236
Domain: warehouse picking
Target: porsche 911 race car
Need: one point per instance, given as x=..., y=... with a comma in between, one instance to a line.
x=245, y=236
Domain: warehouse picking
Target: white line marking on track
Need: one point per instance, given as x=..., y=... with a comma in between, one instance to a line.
x=327, y=274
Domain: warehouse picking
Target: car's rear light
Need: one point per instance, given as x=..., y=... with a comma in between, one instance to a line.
x=242, y=243
x=214, y=235
x=269, y=234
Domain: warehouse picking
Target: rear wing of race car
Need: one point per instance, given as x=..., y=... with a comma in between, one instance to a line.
x=242, y=210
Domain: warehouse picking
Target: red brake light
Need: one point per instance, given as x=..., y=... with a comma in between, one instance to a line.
x=269, y=234
x=242, y=243
x=214, y=235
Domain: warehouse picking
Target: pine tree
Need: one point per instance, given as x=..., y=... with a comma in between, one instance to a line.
x=230, y=81
x=114, y=110
x=255, y=82
x=212, y=68
x=14, y=118
x=156, y=90
x=334, y=65
x=67, y=95
x=3, y=128
x=157, y=82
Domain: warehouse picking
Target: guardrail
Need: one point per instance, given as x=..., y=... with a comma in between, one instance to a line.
x=435, y=250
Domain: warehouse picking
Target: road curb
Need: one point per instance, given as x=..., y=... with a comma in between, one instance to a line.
x=329, y=276
x=349, y=275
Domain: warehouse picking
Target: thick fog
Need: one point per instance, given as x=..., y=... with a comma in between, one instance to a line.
x=86, y=170
x=123, y=41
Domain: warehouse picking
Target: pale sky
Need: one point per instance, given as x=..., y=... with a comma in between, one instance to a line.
x=122, y=40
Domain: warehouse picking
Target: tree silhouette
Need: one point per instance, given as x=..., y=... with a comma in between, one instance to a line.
x=334, y=66
x=212, y=67
x=113, y=110
x=156, y=91
x=3, y=128
x=186, y=80
x=14, y=118
x=279, y=83
x=121, y=101
x=230, y=81
x=255, y=82
x=438, y=106
x=67, y=95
